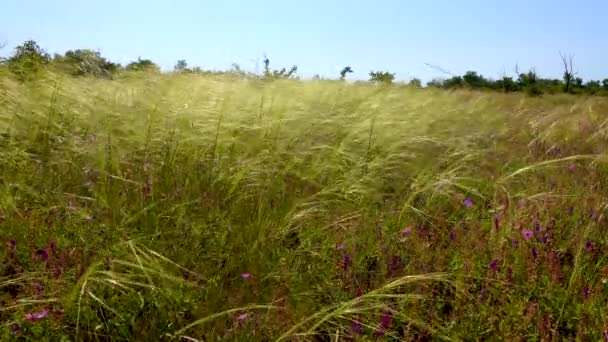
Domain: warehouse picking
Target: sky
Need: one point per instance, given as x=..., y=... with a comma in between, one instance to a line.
x=323, y=36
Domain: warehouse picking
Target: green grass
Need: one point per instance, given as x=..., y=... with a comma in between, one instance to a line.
x=137, y=205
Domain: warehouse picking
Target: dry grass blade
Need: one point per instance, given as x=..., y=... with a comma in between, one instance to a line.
x=224, y=313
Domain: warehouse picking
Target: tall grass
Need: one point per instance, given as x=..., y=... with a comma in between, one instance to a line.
x=205, y=208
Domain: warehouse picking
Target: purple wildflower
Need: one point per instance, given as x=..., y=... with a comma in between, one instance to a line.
x=395, y=265
x=589, y=246
x=245, y=275
x=571, y=210
x=42, y=254
x=242, y=317
x=571, y=167
x=357, y=327
x=537, y=226
x=494, y=265
x=483, y=292
x=358, y=292
x=468, y=202
x=496, y=222
x=53, y=246
x=586, y=292
x=406, y=230
x=452, y=236
x=534, y=252
x=385, y=323
x=528, y=234
x=341, y=247
x=386, y=319
x=605, y=336
x=345, y=262
x=36, y=316
x=38, y=288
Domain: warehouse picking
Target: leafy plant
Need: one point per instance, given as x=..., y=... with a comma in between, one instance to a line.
x=28, y=60
x=381, y=77
x=346, y=70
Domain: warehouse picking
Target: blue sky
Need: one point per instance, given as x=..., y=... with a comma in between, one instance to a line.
x=322, y=36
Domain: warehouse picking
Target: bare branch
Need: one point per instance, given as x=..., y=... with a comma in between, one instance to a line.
x=569, y=73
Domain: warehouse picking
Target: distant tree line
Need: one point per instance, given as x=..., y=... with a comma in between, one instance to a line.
x=528, y=82
x=29, y=59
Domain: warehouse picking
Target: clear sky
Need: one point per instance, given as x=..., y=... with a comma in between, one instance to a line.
x=322, y=36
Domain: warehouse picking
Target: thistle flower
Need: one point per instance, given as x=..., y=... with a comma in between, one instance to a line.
x=528, y=234
x=468, y=202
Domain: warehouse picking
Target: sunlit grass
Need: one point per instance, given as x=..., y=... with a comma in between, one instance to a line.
x=357, y=212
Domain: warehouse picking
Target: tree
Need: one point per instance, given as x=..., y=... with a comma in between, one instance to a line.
x=593, y=86
x=453, y=82
x=346, y=70
x=266, y=66
x=283, y=73
x=568, y=71
x=382, y=77
x=181, y=66
x=415, y=83
x=86, y=62
x=605, y=84
x=506, y=84
x=143, y=65
x=28, y=59
x=435, y=83
x=2, y=59
x=474, y=80
x=528, y=83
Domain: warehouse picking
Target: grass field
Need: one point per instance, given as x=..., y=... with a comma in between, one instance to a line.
x=206, y=208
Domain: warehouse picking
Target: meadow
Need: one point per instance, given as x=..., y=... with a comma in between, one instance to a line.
x=204, y=208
